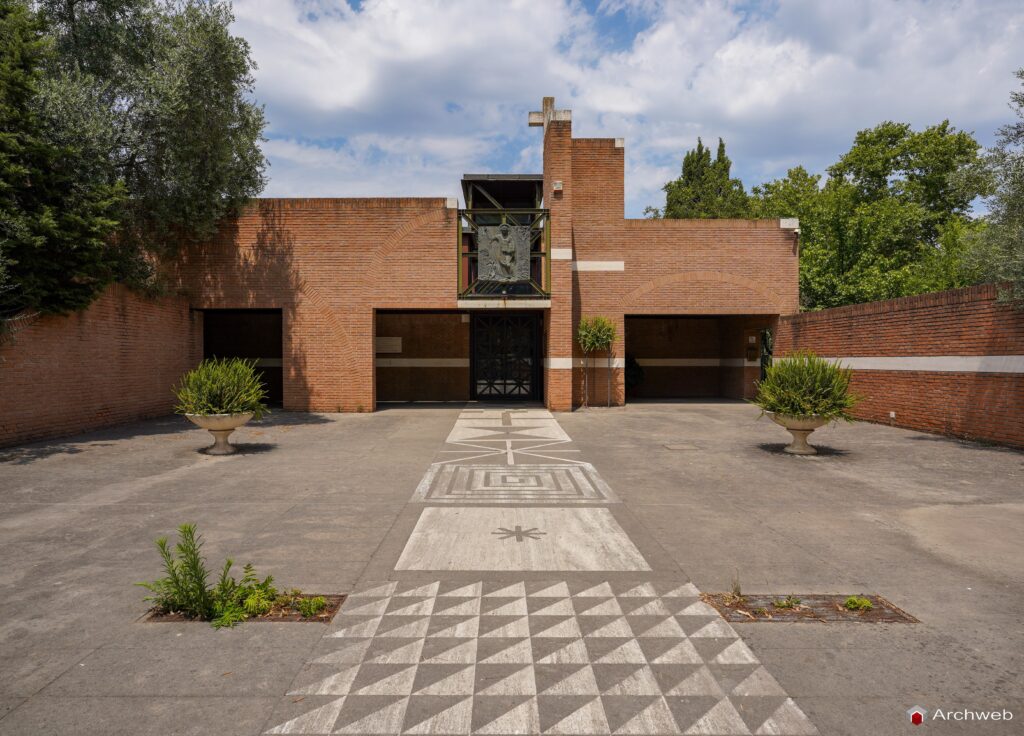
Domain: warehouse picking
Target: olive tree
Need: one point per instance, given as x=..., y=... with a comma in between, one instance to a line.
x=145, y=109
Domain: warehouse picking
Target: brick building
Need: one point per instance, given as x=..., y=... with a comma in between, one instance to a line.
x=350, y=302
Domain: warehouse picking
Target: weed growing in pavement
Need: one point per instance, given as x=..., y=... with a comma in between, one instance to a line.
x=788, y=602
x=185, y=588
x=735, y=596
x=310, y=607
x=858, y=603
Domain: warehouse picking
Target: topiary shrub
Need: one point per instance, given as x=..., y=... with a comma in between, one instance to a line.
x=804, y=385
x=222, y=386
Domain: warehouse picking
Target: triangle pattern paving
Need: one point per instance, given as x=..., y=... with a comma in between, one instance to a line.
x=537, y=657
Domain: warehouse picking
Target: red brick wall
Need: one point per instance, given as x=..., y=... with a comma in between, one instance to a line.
x=963, y=322
x=328, y=264
x=599, y=179
x=671, y=267
x=560, y=322
x=114, y=362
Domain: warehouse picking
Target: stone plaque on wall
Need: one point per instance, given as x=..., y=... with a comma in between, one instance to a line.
x=504, y=252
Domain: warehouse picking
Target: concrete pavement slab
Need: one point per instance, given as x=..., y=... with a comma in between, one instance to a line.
x=322, y=501
x=135, y=716
x=219, y=671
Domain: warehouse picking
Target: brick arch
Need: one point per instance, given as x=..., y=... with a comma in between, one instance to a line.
x=394, y=240
x=769, y=299
x=331, y=319
x=397, y=239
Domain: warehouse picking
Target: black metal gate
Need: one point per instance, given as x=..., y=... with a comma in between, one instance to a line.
x=767, y=345
x=506, y=362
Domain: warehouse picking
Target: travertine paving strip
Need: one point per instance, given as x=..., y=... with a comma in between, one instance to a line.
x=552, y=483
x=560, y=651
x=562, y=539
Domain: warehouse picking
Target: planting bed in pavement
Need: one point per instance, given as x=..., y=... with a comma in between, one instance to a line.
x=828, y=609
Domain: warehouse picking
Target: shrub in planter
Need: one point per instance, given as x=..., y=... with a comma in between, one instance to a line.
x=802, y=392
x=220, y=395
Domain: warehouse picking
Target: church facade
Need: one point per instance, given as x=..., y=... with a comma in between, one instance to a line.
x=349, y=303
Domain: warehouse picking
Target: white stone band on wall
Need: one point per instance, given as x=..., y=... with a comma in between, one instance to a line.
x=598, y=362
x=697, y=362
x=937, y=363
x=598, y=265
x=422, y=362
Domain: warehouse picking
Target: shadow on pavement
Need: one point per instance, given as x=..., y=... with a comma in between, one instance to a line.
x=161, y=426
x=247, y=448
x=778, y=448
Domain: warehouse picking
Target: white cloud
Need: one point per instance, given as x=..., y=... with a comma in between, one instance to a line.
x=402, y=97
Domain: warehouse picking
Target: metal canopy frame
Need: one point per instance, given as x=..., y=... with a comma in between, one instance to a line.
x=482, y=191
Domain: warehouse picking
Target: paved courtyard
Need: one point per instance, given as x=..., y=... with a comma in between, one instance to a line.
x=514, y=572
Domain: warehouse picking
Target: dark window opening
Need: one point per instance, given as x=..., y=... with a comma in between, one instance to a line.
x=255, y=334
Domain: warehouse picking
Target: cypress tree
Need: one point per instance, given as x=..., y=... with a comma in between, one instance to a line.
x=705, y=188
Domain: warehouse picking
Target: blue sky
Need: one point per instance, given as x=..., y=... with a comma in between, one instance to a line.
x=401, y=97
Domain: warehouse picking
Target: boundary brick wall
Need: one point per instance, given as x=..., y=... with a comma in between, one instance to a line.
x=964, y=323
x=112, y=363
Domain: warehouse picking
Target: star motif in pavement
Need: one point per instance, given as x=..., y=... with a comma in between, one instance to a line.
x=519, y=533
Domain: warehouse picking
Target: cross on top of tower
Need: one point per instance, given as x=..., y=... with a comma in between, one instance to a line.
x=548, y=113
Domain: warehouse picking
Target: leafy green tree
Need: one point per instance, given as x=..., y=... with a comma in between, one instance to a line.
x=936, y=171
x=135, y=117
x=795, y=194
x=56, y=252
x=997, y=253
x=175, y=85
x=891, y=220
x=705, y=189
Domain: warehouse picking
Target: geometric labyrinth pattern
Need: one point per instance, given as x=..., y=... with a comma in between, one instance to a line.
x=503, y=484
x=549, y=657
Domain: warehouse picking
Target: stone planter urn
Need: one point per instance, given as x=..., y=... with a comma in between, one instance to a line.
x=800, y=428
x=220, y=426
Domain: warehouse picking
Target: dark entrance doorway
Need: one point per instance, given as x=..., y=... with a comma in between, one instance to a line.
x=248, y=333
x=506, y=357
